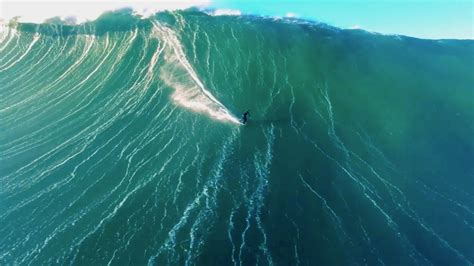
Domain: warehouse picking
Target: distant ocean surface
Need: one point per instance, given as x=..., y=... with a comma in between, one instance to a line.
x=120, y=143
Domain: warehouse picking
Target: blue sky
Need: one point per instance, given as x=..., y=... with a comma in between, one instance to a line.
x=420, y=18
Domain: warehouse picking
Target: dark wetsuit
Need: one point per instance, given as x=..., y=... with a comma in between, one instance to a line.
x=245, y=117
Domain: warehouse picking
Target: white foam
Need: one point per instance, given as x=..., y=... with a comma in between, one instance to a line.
x=225, y=12
x=37, y=11
x=355, y=27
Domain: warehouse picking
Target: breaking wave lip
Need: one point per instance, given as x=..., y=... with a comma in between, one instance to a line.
x=76, y=12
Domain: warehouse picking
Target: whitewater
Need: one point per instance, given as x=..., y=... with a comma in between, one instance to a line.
x=121, y=143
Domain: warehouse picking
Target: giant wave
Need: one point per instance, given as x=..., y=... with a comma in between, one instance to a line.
x=120, y=143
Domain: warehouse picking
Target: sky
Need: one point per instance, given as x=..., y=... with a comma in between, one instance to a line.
x=420, y=18
x=430, y=19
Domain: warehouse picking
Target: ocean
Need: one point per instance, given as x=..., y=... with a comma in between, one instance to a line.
x=121, y=143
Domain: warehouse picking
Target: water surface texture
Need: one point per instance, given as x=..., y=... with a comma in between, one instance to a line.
x=120, y=143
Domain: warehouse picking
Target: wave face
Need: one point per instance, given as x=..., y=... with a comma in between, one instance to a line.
x=120, y=144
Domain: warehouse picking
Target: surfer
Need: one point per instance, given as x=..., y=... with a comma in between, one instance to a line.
x=245, y=117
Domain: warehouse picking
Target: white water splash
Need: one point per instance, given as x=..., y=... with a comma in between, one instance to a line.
x=37, y=11
x=225, y=12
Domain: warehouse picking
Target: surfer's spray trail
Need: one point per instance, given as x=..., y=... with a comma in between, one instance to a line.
x=119, y=144
x=179, y=74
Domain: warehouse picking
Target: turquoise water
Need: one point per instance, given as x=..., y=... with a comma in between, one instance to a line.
x=120, y=143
